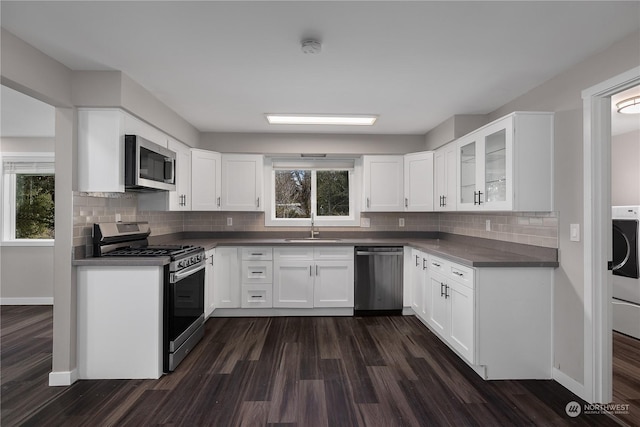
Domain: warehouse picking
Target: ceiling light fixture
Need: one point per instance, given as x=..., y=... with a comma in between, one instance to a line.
x=629, y=106
x=299, y=119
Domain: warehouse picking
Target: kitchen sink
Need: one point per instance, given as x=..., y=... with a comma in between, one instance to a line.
x=312, y=239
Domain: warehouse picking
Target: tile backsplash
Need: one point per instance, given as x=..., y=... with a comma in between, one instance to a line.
x=533, y=228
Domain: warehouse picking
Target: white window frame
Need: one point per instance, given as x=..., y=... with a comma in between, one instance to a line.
x=8, y=185
x=314, y=165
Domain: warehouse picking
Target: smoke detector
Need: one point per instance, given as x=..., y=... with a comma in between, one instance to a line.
x=311, y=47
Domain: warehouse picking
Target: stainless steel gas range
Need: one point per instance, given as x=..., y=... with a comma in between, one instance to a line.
x=183, y=305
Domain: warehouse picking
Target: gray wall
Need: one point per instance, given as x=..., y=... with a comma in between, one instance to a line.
x=453, y=128
x=625, y=169
x=563, y=95
x=18, y=278
x=278, y=143
x=26, y=274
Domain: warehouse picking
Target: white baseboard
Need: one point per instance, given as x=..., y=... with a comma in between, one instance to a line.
x=569, y=383
x=63, y=378
x=27, y=301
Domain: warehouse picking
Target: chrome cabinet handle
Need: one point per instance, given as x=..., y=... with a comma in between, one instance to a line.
x=316, y=269
x=406, y=202
x=417, y=258
x=441, y=289
x=218, y=202
x=310, y=271
x=424, y=263
x=446, y=291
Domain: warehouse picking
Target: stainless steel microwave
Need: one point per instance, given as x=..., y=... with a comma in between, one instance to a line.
x=148, y=166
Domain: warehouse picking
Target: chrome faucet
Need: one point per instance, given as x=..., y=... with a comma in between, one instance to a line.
x=313, y=232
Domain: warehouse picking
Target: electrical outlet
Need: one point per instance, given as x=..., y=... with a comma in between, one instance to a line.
x=401, y=222
x=118, y=218
x=365, y=222
x=229, y=222
x=487, y=225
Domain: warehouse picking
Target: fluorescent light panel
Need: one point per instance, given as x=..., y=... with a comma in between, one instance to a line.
x=299, y=119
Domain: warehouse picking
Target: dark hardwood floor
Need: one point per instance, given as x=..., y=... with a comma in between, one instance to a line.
x=302, y=371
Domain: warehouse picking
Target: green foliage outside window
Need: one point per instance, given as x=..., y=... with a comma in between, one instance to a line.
x=333, y=193
x=35, y=206
x=293, y=190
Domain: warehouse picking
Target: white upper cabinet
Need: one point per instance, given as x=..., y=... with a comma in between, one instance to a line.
x=242, y=182
x=445, y=178
x=418, y=182
x=205, y=180
x=383, y=182
x=180, y=200
x=507, y=165
x=101, y=150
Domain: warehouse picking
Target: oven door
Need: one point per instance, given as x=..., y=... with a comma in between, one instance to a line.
x=185, y=305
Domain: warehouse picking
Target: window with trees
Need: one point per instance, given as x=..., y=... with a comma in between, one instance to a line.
x=301, y=191
x=28, y=199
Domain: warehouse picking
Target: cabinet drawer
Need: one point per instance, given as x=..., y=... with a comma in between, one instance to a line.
x=439, y=265
x=333, y=252
x=257, y=271
x=461, y=274
x=293, y=253
x=257, y=253
x=259, y=296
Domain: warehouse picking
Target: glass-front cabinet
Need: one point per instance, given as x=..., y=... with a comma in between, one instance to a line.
x=485, y=162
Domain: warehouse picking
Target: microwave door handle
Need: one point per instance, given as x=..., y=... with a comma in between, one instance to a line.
x=169, y=169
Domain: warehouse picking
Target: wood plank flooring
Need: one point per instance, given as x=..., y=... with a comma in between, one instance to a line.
x=289, y=371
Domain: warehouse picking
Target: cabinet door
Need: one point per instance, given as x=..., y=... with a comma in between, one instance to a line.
x=180, y=200
x=333, y=285
x=101, y=150
x=242, y=182
x=497, y=175
x=438, y=309
x=293, y=284
x=417, y=282
x=425, y=283
x=418, y=182
x=383, y=183
x=227, y=278
x=461, y=320
x=205, y=180
x=209, y=274
x=468, y=169
x=445, y=177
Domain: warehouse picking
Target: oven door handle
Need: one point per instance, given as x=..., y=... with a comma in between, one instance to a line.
x=176, y=277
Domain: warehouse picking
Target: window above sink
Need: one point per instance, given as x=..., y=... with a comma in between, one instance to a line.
x=298, y=190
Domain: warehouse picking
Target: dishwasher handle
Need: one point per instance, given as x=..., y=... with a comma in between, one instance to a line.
x=367, y=253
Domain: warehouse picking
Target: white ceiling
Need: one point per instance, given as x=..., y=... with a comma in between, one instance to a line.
x=222, y=65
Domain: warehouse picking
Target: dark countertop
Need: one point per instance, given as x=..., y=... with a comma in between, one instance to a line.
x=469, y=251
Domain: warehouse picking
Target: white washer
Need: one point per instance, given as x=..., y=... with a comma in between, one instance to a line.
x=626, y=266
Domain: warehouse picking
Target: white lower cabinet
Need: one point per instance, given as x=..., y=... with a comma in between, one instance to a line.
x=257, y=277
x=123, y=305
x=306, y=277
x=226, y=292
x=451, y=306
x=209, y=282
x=497, y=319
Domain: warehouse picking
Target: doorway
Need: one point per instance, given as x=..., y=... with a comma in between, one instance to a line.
x=598, y=233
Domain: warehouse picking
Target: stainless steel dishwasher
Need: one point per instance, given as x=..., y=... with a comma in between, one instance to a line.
x=378, y=280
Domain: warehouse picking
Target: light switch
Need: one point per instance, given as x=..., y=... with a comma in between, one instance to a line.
x=574, y=232
x=401, y=222
x=229, y=221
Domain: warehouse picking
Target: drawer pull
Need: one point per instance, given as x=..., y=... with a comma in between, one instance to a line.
x=256, y=296
x=435, y=264
x=457, y=273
